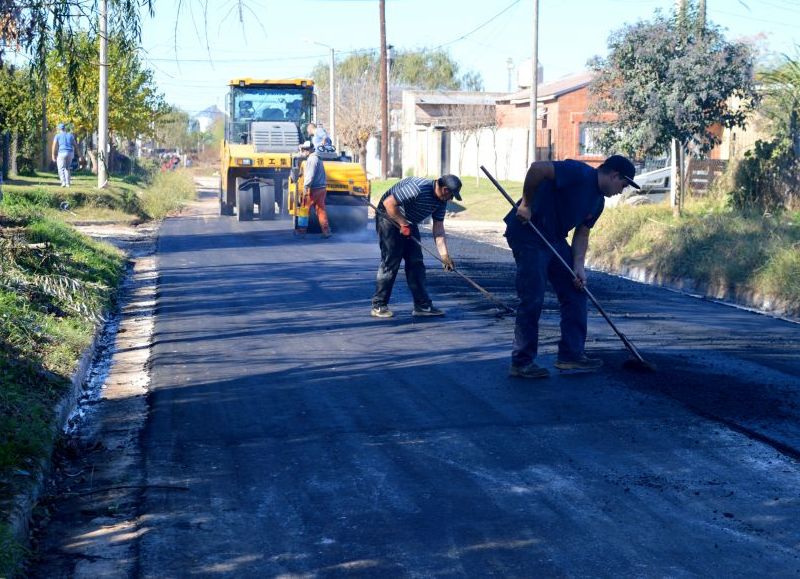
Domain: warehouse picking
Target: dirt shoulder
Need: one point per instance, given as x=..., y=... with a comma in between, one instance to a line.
x=87, y=511
x=95, y=467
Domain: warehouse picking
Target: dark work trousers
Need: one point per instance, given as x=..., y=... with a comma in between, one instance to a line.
x=536, y=265
x=394, y=249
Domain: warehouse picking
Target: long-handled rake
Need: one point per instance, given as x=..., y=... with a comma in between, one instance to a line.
x=637, y=362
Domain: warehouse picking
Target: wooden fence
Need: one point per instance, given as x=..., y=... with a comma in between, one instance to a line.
x=702, y=173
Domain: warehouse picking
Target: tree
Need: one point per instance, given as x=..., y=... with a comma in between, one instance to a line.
x=358, y=97
x=172, y=130
x=134, y=102
x=424, y=69
x=768, y=178
x=19, y=114
x=469, y=121
x=781, y=104
x=672, y=78
x=39, y=26
x=358, y=111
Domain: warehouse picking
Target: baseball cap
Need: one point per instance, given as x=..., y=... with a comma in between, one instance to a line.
x=60, y=126
x=622, y=166
x=307, y=146
x=452, y=183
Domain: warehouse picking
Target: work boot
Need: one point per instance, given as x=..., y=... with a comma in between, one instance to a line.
x=582, y=363
x=381, y=312
x=426, y=311
x=532, y=370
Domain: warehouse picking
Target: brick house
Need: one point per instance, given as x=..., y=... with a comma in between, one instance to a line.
x=565, y=129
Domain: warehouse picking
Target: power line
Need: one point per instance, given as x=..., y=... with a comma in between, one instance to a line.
x=748, y=17
x=462, y=37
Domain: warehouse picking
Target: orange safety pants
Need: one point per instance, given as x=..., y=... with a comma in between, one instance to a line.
x=317, y=199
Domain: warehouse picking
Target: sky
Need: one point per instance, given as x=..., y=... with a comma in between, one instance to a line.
x=195, y=53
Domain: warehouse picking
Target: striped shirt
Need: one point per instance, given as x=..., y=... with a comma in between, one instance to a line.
x=417, y=200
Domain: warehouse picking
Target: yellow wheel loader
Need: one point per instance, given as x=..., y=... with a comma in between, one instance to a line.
x=262, y=170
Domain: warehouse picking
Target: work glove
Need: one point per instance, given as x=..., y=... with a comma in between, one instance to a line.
x=447, y=263
x=405, y=230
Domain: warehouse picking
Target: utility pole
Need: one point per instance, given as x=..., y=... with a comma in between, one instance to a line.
x=389, y=60
x=701, y=17
x=332, y=105
x=384, y=97
x=510, y=66
x=45, y=151
x=43, y=80
x=534, y=81
x=102, y=121
x=332, y=93
x=677, y=169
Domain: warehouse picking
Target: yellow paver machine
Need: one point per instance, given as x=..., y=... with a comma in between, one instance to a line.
x=262, y=170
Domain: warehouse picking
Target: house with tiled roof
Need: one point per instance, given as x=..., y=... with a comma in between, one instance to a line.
x=565, y=128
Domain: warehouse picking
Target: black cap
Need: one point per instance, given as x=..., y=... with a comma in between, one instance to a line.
x=622, y=166
x=452, y=183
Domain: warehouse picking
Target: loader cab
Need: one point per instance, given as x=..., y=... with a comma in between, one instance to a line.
x=250, y=101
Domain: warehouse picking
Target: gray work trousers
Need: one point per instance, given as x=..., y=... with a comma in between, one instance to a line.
x=64, y=162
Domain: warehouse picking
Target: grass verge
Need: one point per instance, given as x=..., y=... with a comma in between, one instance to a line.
x=167, y=192
x=127, y=200
x=721, y=249
x=55, y=285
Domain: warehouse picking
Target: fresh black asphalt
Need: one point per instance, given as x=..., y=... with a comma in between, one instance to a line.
x=289, y=434
x=292, y=435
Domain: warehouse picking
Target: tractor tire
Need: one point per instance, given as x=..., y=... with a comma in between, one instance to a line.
x=224, y=207
x=346, y=214
x=227, y=196
x=244, y=201
x=266, y=204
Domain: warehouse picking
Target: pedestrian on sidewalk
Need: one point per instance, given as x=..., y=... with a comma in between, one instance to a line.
x=315, y=185
x=400, y=211
x=63, y=151
x=557, y=197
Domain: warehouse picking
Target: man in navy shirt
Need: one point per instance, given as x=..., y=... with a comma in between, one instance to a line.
x=400, y=211
x=558, y=197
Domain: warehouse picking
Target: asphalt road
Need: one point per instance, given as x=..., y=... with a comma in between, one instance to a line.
x=292, y=435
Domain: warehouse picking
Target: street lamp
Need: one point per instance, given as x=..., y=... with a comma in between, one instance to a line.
x=534, y=80
x=389, y=58
x=331, y=82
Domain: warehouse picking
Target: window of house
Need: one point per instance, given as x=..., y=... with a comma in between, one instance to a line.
x=590, y=139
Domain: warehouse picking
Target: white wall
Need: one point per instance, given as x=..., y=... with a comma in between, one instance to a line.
x=373, y=161
x=503, y=152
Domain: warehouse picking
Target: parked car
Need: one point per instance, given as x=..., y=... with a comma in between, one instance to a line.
x=654, y=185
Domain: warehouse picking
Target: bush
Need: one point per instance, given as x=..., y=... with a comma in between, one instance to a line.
x=36, y=197
x=168, y=192
x=26, y=167
x=765, y=178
